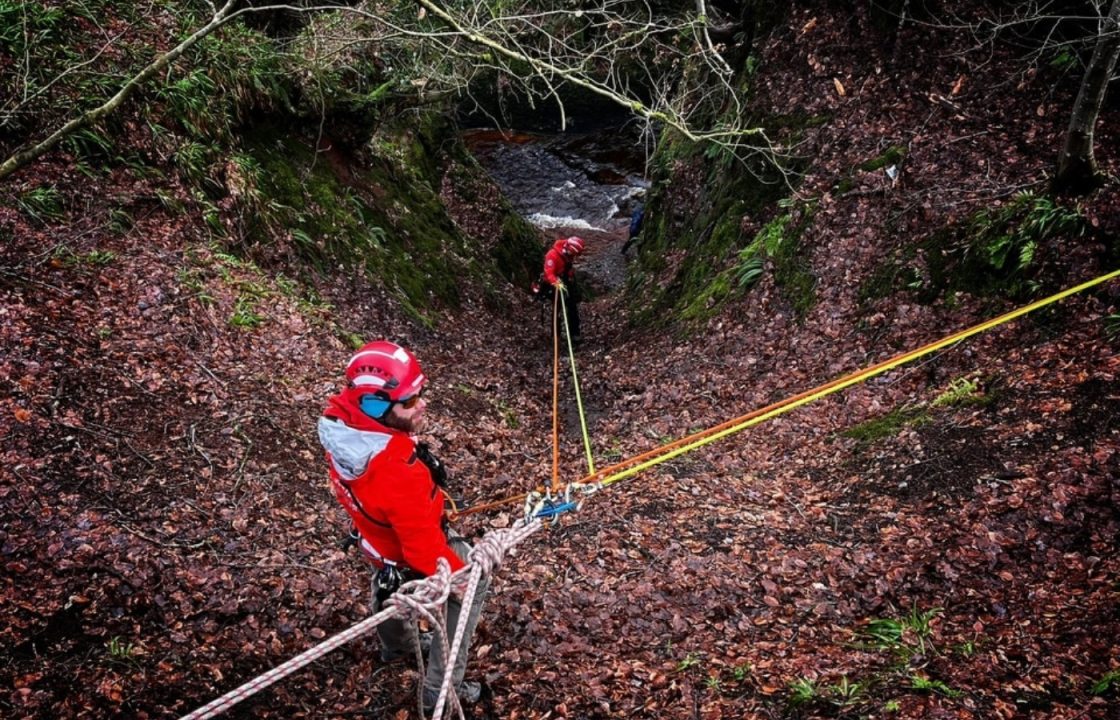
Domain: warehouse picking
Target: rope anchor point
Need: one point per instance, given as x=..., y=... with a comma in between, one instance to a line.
x=550, y=508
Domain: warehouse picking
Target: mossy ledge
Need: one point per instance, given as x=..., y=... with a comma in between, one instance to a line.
x=379, y=209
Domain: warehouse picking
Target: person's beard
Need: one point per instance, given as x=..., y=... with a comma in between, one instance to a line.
x=394, y=421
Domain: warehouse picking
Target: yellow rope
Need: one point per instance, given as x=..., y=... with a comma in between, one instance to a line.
x=575, y=383
x=630, y=467
x=846, y=381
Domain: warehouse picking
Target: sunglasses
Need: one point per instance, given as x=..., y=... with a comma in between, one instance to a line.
x=410, y=402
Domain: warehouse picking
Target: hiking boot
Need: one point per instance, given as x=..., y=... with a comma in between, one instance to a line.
x=469, y=693
x=389, y=655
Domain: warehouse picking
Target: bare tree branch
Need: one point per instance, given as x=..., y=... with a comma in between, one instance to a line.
x=22, y=157
x=604, y=49
x=702, y=11
x=1077, y=166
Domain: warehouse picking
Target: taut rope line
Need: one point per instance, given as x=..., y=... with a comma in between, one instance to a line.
x=555, y=479
x=633, y=465
x=575, y=383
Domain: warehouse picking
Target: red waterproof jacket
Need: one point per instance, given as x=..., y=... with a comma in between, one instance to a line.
x=388, y=492
x=558, y=264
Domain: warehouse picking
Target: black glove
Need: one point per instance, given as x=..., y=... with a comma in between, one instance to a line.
x=349, y=541
x=437, y=468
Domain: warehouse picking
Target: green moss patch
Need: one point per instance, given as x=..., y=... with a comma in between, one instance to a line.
x=962, y=392
x=892, y=156
x=691, y=263
x=888, y=425
x=383, y=215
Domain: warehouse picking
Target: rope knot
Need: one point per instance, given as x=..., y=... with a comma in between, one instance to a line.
x=419, y=598
x=489, y=552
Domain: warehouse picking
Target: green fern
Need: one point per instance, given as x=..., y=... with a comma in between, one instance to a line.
x=1110, y=680
x=803, y=691
x=1006, y=240
x=750, y=271
x=921, y=683
x=43, y=204
x=1112, y=326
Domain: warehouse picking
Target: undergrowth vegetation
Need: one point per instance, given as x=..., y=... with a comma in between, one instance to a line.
x=325, y=180
x=962, y=392
x=995, y=251
x=906, y=645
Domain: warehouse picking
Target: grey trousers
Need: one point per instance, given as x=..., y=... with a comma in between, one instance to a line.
x=396, y=635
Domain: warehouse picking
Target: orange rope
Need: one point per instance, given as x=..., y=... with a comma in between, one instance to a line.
x=511, y=500
x=661, y=449
x=850, y=378
x=555, y=479
x=629, y=462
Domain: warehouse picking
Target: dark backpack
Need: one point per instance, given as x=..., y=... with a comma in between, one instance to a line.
x=636, y=221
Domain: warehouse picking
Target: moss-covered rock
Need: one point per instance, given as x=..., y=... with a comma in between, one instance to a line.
x=698, y=247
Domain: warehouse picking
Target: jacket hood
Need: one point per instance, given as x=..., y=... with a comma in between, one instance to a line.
x=351, y=449
x=344, y=406
x=351, y=437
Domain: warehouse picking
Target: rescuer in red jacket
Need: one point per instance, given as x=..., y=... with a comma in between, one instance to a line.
x=559, y=271
x=393, y=489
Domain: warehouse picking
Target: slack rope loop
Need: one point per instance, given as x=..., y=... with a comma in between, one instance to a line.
x=633, y=465
x=485, y=557
x=424, y=597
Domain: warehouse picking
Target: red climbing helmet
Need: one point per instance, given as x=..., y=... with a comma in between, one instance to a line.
x=387, y=370
x=574, y=245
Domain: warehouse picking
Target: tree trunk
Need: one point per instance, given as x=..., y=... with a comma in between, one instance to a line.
x=1077, y=168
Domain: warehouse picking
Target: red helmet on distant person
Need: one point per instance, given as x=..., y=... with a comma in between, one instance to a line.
x=574, y=245
x=387, y=370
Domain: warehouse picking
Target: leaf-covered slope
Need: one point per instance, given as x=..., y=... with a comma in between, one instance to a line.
x=167, y=532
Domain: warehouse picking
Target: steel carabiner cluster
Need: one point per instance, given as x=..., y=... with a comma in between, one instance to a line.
x=546, y=506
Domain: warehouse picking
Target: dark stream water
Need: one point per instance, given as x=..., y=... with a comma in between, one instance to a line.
x=579, y=182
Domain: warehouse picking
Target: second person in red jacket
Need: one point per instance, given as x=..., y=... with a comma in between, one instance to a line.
x=559, y=271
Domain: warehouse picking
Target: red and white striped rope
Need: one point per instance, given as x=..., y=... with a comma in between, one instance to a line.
x=451, y=654
x=430, y=593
